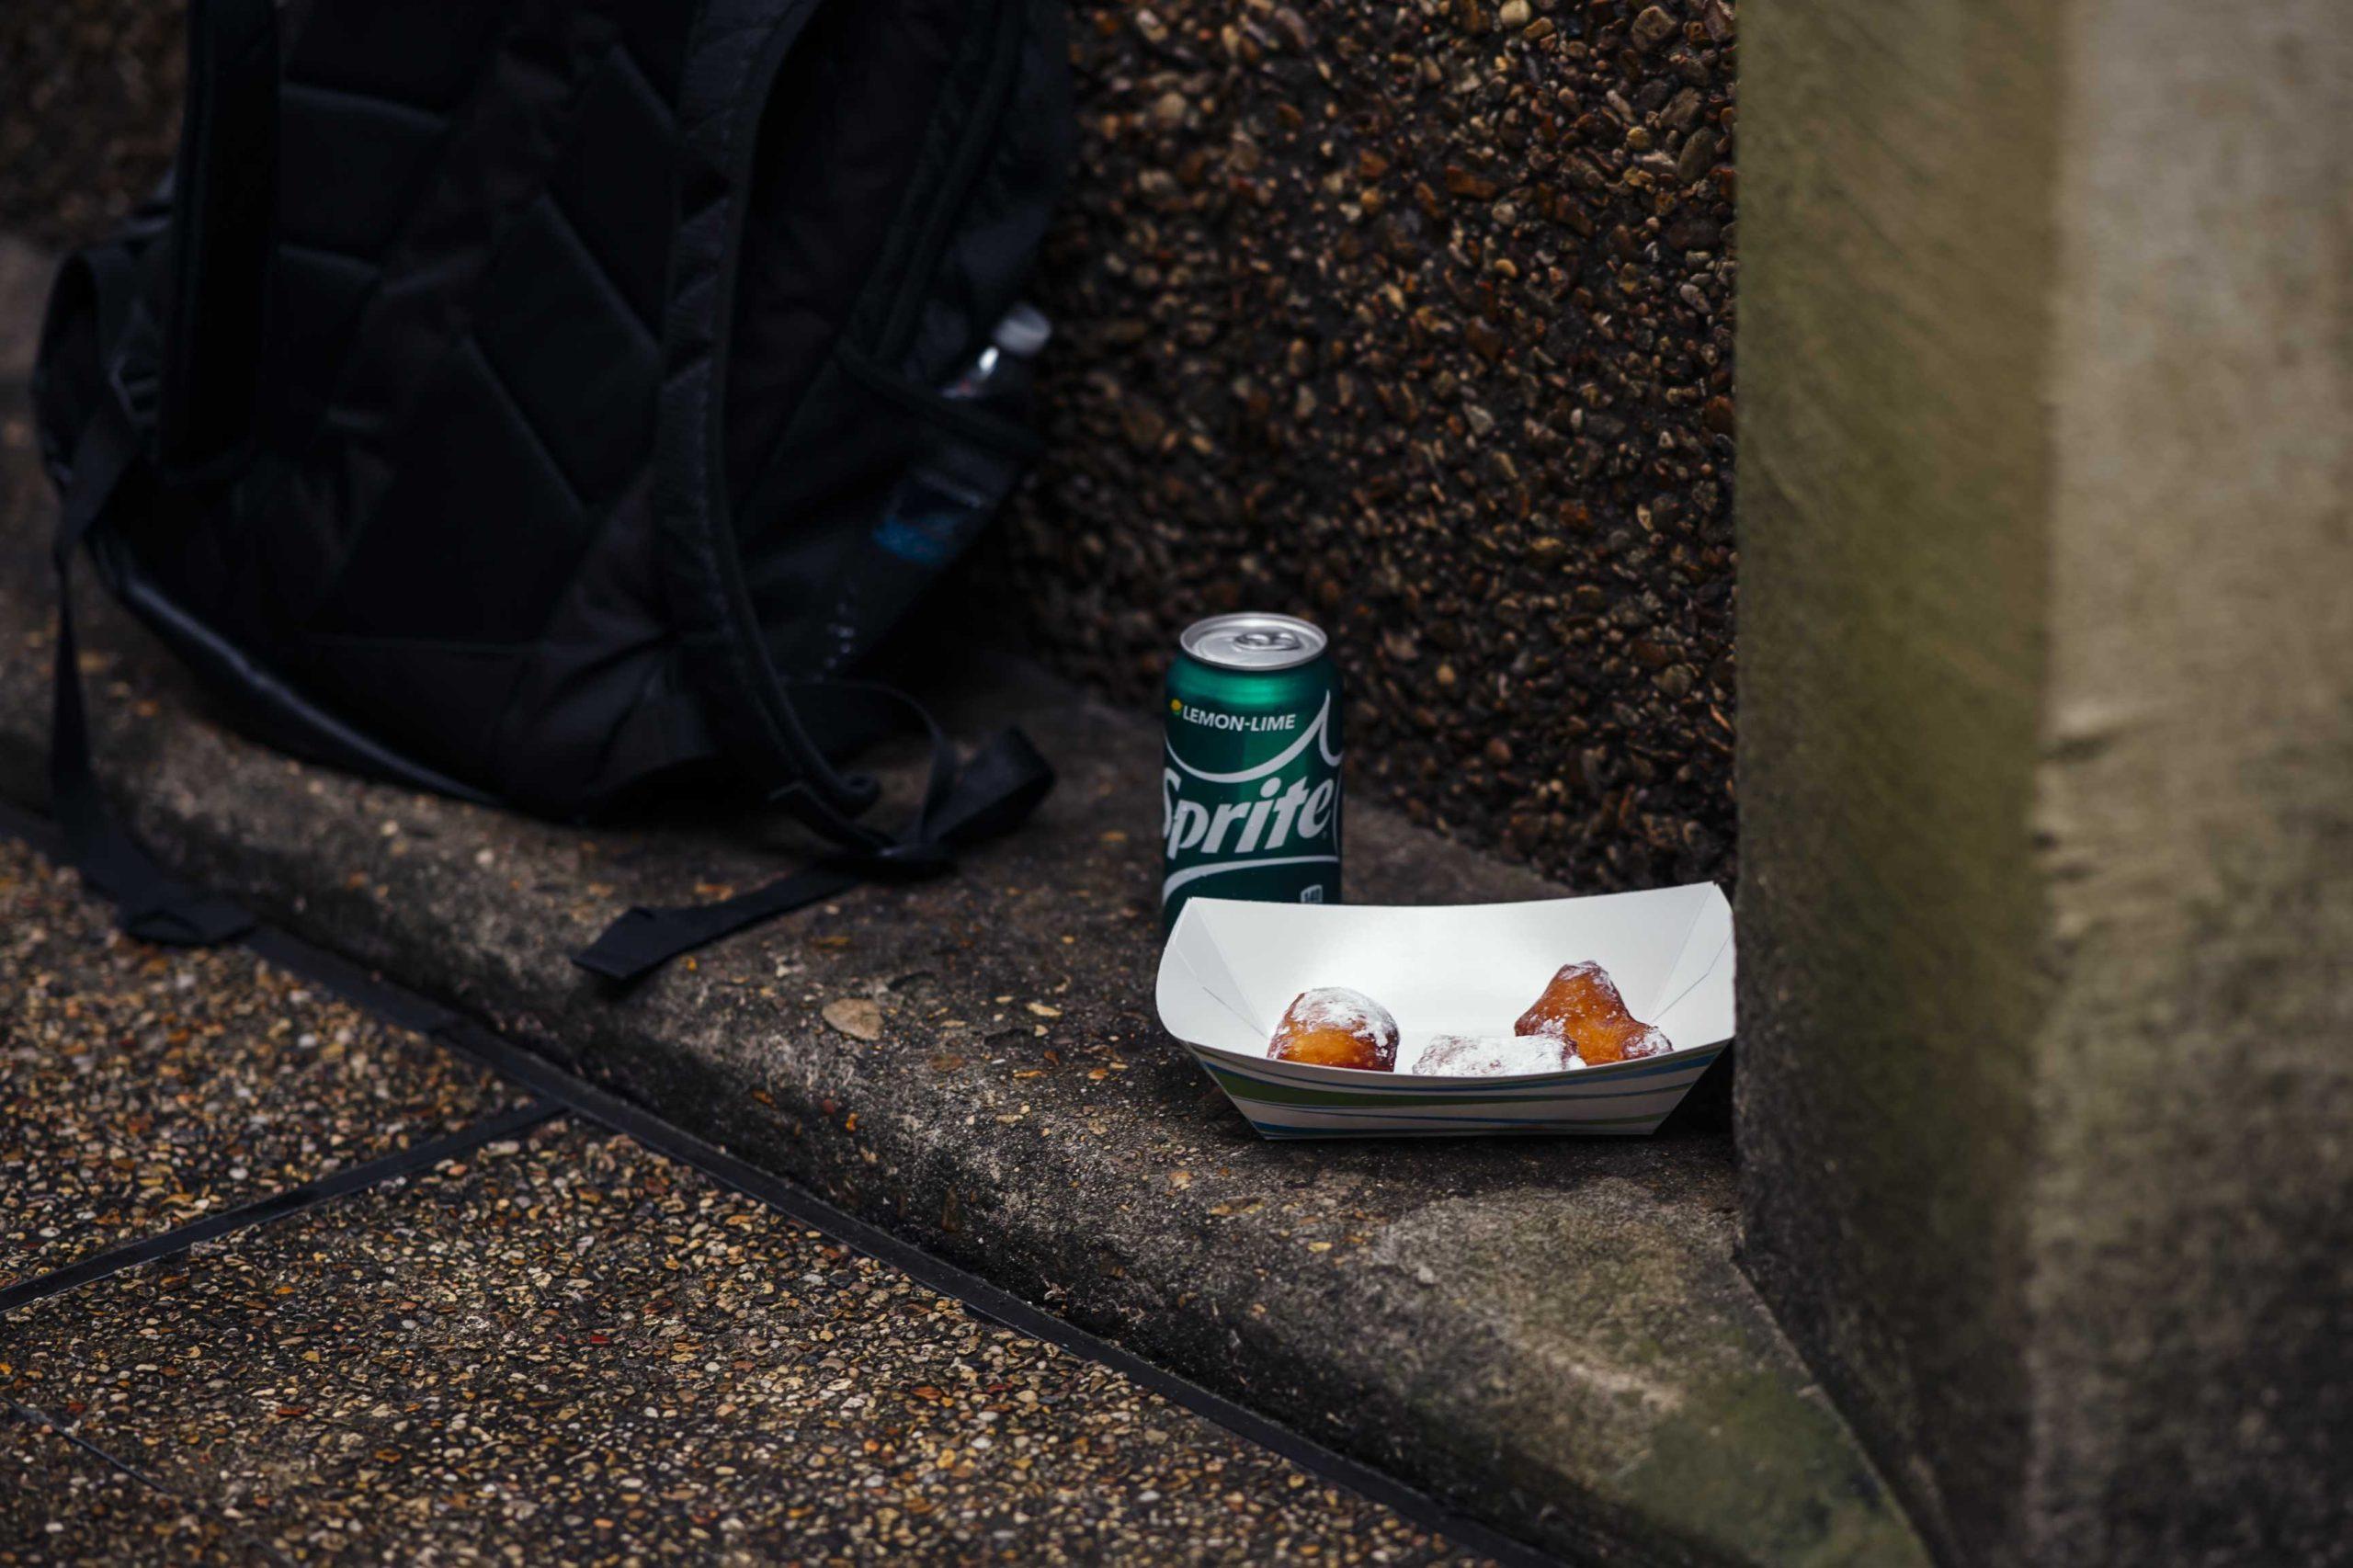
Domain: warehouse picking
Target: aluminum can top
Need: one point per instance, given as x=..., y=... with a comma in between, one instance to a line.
x=1253, y=640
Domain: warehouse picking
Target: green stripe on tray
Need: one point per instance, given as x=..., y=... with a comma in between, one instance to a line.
x=1273, y=1091
x=1276, y=1132
x=1468, y=1124
x=1582, y=1082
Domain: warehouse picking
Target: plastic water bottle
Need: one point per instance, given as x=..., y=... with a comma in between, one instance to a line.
x=941, y=501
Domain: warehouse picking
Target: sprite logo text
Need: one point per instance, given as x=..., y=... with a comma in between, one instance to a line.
x=1281, y=812
x=1190, y=824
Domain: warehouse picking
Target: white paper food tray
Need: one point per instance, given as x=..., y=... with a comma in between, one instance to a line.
x=1230, y=969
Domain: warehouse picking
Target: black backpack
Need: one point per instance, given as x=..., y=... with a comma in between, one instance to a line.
x=522, y=399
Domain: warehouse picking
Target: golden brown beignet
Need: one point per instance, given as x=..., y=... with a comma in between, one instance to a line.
x=1582, y=1007
x=1333, y=1026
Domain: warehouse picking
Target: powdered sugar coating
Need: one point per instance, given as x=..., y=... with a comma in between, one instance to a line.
x=1338, y=1007
x=1492, y=1056
x=1334, y=1026
x=1535, y=1021
x=1650, y=1043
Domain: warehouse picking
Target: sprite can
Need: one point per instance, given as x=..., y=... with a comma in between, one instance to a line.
x=1250, y=788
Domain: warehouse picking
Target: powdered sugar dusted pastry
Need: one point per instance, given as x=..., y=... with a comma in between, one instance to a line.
x=1582, y=1007
x=1492, y=1056
x=1334, y=1026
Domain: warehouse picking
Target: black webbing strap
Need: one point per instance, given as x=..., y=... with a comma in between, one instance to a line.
x=152, y=906
x=224, y=228
x=192, y=373
x=993, y=792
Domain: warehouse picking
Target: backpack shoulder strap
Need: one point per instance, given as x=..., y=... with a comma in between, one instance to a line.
x=991, y=792
x=110, y=445
x=122, y=396
x=224, y=200
x=734, y=54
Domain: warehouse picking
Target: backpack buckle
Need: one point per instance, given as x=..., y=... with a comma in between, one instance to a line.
x=137, y=383
x=135, y=369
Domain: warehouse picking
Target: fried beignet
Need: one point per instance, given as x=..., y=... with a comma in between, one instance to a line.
x=1582, y=1007
x=1334, y=1026
x=1492, y=1056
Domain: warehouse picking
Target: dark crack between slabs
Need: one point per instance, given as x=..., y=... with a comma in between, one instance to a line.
x=236, y=1531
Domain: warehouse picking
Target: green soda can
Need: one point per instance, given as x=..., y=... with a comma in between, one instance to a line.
x=1250, y=791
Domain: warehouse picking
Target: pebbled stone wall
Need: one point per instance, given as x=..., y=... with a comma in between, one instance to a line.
x=1416, y=319
x=90, y=111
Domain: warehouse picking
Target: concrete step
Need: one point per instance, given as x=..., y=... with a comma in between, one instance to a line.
x=439, y=1319
x=1553, y=1336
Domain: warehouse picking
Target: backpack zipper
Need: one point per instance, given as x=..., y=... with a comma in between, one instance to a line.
x=956, y=187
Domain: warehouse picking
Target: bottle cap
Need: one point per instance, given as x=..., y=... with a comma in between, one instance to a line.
x=1023, y=331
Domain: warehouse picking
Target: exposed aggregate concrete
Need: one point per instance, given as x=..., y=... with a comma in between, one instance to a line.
x=560, y=1349
x=144, y=1087
x=63, y=1506
x=89, y=112
x=570, y=1349
x=1415, y=318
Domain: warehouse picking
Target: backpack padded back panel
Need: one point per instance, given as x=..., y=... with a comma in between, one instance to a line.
x=559, y=290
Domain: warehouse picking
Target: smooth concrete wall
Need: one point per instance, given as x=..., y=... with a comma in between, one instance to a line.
x=2193, y=1229
x=2046, y=1093
x=1895, y=596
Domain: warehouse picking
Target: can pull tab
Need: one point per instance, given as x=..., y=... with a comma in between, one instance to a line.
x=1268, y=641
